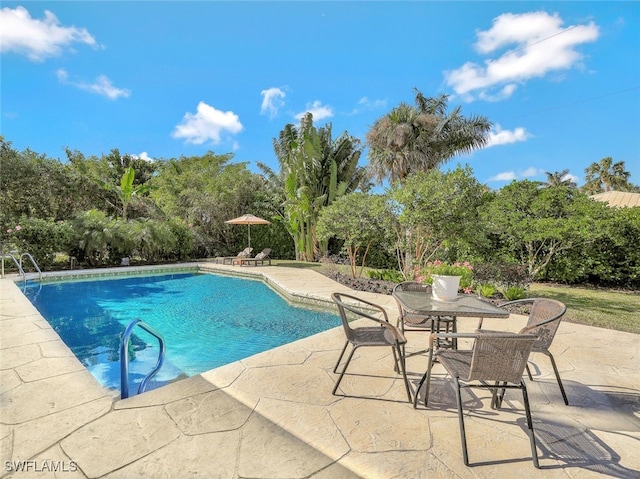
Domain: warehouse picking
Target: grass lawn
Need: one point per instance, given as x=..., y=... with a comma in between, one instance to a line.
x=594, y=307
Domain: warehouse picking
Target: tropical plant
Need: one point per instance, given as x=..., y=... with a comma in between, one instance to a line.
x=386, y=275
x=606, y=175
x=93, y=236
x=514, y=292
x=486, y=290
x=560, y=178
x=102, y=178
x=420, y=138
x=127, y=191
x=440, y=268
x=314, y=171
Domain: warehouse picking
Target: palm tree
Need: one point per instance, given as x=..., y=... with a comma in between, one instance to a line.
x=560, y=178
x=422, y=137
x=315, y=170
x=606, y=175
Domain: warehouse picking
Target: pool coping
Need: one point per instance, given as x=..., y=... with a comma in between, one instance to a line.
x=255, y=273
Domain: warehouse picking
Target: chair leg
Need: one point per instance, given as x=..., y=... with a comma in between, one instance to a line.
x=532, y=436
x=497, y=396
x=426, y=377
x=400, y=325
x=463, y=436
x=529, y=372
x=555, y=370
x=403, y=370
x=344, y=370
x=335, y=369
x=396, y=357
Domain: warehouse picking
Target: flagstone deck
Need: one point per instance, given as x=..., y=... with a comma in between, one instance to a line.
x=273, y=416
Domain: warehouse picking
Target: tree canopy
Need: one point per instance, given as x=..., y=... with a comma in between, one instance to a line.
x=605, y=175
x=418, y=138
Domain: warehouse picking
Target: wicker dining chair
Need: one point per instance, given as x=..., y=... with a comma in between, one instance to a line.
x=496, y=361
x=544, y=318
x=382, y=334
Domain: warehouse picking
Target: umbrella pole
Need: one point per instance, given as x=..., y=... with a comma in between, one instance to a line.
x=249, y=229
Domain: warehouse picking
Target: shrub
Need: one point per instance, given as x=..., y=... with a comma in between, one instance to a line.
x=464, y=270
x=43, y=239
x=514, y=292
x=93, y=234
x=386, y=275
x=486, y=290
x=504, y=274
x=183, y=248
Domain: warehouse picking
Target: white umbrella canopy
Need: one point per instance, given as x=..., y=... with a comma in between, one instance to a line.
x=248, y=220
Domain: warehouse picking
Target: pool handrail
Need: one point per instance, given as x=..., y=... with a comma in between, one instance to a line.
x=33, y=262
x=18, y=264
x=15, y=261
x=124, y=357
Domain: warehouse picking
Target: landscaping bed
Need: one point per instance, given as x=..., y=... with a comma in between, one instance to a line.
x=386, y=287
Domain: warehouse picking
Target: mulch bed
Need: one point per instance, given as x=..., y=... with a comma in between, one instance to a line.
x=386, y=287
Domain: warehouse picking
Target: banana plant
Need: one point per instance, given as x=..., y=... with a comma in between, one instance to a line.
x=127, y=191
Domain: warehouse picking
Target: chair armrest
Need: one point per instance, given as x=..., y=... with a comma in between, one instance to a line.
x=478, y=333
x=354, y=308
x=517, y=301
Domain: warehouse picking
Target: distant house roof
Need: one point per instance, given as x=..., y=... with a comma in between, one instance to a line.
x=619, y=198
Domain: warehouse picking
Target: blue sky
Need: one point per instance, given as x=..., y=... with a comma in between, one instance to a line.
x=560, y=81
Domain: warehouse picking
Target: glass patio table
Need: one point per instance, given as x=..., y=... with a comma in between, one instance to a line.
x=464, y=305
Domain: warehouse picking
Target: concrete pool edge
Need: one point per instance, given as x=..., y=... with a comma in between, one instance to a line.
x=267, y=274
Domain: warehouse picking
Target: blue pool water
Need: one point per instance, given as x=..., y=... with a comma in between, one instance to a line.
x=206, y=320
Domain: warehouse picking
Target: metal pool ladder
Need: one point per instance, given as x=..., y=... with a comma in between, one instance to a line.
x=19, y=264
x=124, y=357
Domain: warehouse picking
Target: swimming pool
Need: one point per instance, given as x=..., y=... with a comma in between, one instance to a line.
x=207, y=321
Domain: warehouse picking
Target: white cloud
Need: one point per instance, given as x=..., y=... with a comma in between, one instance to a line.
x=372, y=104
x=366, y=104
x=511, y=175
x=144, y=156
x=505, y=176
x=540, y=45
x=530, y=172
x=207, y=124
x=37, y=39
x=570, y=177
x=318, y=111
x=498, y=136
x=272, y=101
x=101, y=86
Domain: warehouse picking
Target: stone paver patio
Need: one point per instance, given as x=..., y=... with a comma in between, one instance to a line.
x=273, y=416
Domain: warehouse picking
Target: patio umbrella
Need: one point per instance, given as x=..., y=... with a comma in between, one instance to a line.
x=248, y=220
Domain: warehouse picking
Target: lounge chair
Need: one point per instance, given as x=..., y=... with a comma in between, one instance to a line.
x=259, y=258
x=245, y=253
